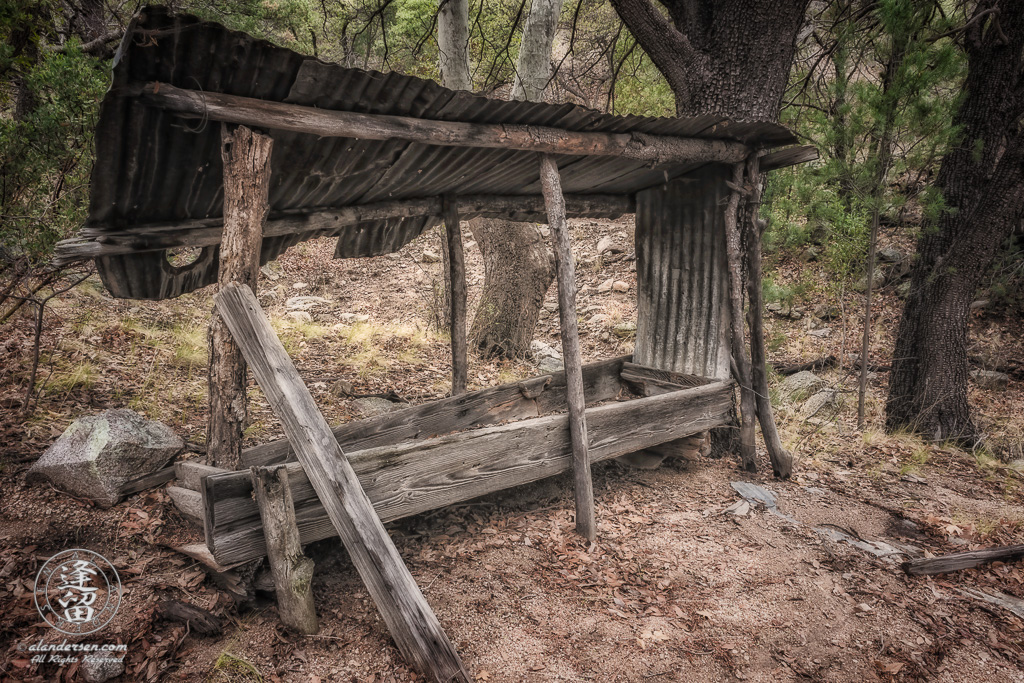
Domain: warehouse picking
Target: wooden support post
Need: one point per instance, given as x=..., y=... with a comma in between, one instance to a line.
x=292, y=571
x=741, y=361
x=781, y=459
x=457, y=295
x=246, y=156
x=551, y=185
x=409, y=618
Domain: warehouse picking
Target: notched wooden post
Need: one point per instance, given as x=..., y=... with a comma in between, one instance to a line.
x=246, y=156
x=409, y=618
x=741, y=361
x=456, y=294
x=551, y=185
x=292, y=571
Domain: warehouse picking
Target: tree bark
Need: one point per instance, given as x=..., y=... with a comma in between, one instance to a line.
x=453, y=44
x=518, y=265
x=246, y=156
x=980, y=180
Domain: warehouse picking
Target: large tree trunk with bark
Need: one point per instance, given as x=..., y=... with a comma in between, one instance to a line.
x=518, y=265
x=980, y=180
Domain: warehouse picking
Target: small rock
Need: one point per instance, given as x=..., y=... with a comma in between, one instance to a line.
x=299, y=285
x=802, y=385
x=891, y=255
x=97, y=455
x=347, y=317
x=826, y=312
x=268, y=273
x=821, y=332
x=361, y=318
x=774, y=307
x=305, y=303
x=551, y=306
x=605, y=336
x=374, y=405
x=342, y=388
x=607, y=244
x=988, y=379
x=544, y=314
x=862, y=284
x=429, y=257
x=740, y=508
x=826, y=398
x=101, y=667
x=620, y=286
x=547, y=357
x=598, y=319
x=810, y=254
x=605, y=286
x=903, y=289
x=624, y=330
x=980, y=303
x=864, y=608
x=300, y=316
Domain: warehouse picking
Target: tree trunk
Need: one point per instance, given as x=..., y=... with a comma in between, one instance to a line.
x=980, y=180
x=453, y=44
x=518, y=265
x=246, y=156
x=518, y=269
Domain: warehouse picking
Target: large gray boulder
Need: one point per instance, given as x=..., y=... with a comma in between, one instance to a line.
x=547, y=357
x=97, y=455
x=802, y=385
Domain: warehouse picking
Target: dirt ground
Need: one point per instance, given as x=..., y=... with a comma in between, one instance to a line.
x=676, y=588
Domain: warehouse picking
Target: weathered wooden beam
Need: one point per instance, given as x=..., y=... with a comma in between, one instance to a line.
x=411, y=477
x=652, y=381
x=190, y=473
x=781, y=459
x=656, y=149
x=409, y=618
x=583, y=486
x=965, y=560
x=740, y=357
x=94, y=242
x=476, y=409
x=457, y=295
x=292, y=571
x=189, y=503
x=246, y=156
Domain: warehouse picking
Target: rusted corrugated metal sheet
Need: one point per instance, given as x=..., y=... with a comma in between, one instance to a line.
x=681, y=270
x=154, y=167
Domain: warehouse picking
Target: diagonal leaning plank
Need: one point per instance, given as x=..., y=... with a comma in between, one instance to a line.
x=409, y=618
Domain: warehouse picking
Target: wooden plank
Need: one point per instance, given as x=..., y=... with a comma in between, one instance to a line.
x=413, y=477
x=147, y=481
x=656, y=149
x=190, y=473
x=583, y=485
x=965, y=560
x=788, y=157
x=94, y=242
x=292, y=571
x=409, y=618
x=246, y=157
x=475, y=409
x=652, y=381
x=457, y=295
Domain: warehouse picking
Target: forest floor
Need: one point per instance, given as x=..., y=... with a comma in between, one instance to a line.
x=675, y=588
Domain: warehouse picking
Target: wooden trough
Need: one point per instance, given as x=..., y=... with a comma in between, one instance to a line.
x=425, y=457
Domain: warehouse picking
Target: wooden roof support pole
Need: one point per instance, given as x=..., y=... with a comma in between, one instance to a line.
x=456, y=294
x=405, y=611
x=551, y=185
x=292, y=571
x=740, y=359
x=781, y=459
x=246, y=156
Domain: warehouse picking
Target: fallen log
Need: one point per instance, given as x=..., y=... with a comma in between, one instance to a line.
x=965, y=560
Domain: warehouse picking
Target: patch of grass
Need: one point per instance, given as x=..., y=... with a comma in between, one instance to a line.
x=230, y=669
x=188, y=346
x=80, y=375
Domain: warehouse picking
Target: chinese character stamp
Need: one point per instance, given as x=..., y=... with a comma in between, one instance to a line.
x=77, y=591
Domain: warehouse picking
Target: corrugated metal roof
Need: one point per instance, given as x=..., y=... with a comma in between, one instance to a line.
x=155, y=167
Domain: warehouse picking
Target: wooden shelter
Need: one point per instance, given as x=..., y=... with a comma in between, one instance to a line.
x=211, y=139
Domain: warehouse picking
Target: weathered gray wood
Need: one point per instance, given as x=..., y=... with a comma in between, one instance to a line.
x=246, y=157
x=292, y=571
x=409, y=618
x=965, y=560
x=655, y=149
x=586, y=523
x=652, y=381
x=781, y=459
x=788, y=157
x=740, y=358
x=96, y=242
x=475, y=409
x=457, y=295
x=189, y=503
x=408, y=478
x=147, y=481
x=190, y=473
